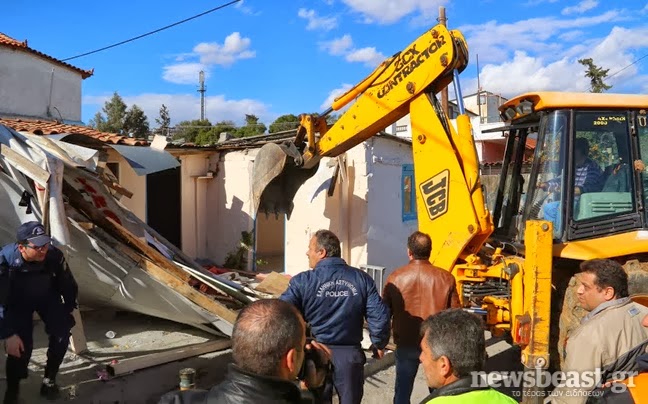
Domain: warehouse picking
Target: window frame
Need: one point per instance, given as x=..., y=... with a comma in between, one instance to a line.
x=408, y=172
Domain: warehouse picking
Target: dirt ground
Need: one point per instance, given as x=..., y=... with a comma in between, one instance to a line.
x=83, y=379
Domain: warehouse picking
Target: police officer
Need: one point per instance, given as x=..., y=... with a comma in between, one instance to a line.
x=34, y=277
x=335, y=299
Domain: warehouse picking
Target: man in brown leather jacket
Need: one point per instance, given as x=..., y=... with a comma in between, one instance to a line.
x=413, y=293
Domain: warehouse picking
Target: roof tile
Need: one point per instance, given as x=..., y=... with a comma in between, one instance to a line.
x=6, y=40
x=43, y=127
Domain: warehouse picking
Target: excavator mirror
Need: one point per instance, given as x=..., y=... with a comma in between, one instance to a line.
x=276, y=178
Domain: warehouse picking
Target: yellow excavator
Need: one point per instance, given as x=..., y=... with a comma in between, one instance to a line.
x=514, y=263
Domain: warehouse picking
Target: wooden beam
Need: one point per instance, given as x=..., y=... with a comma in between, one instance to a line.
x=121, y=233
x=141, y=362
x=113, y=185
x=187, y=291
x=25, y=166
x=78, y=339
x=274, y=284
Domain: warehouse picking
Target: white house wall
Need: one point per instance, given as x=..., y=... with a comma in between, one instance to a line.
x=136, y=184
x=344, y=213
x=228, y=204
x=387, y=233
x=25, y=83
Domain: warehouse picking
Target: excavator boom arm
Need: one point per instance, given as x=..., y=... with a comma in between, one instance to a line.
x=450, y=201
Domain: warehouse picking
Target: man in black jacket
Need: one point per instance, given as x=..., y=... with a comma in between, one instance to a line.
x=34, y=277
x=268, y=346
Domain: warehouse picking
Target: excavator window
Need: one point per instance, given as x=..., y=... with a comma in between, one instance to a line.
x=641, y=164
x=602, y=165
x=544, y=198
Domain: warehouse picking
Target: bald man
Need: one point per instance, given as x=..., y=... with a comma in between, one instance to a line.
x=268, y=344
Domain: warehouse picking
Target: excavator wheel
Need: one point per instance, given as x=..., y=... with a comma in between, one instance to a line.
x=572, y=314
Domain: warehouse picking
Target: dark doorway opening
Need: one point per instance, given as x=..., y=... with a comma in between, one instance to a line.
x=163, y=204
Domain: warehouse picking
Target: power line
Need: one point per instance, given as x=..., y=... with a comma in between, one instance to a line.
x=153, y=32
x=633, y=63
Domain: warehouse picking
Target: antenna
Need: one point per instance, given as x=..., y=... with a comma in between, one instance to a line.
x=479, y=92
x=201, y=90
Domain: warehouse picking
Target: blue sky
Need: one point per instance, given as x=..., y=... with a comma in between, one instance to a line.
x=270, y=58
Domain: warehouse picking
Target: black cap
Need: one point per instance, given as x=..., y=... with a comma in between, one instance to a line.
x=33, y=232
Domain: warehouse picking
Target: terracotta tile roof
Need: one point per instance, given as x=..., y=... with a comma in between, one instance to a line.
x=10, y=42
x=42, y=127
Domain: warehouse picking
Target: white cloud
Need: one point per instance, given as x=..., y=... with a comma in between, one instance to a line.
x=343, y=46
x=571, y=36
x=334, y=94
x=209, y=54
x=581, y=7
x=233, y=48
x=390, y=11
x=338, y=46
x=184, y=73
x=187, y=107
x=246, y=9
x=368, y=56
x=487, y=39
x=525, y=72
x=315, y=22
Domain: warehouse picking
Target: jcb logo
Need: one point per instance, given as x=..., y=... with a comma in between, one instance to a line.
x=435, y=194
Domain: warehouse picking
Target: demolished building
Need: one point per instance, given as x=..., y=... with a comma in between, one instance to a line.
x=118, y=260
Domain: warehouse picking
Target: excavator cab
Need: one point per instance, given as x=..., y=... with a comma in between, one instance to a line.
x=573, y=165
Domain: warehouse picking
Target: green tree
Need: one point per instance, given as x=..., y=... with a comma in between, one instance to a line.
x=115, y=111
x=136, y=123
x=212, y=135
x=252, y=127
x=190, y=130
x=98, y=121
x=163, y=121
x=284, y=122
x=596, y=75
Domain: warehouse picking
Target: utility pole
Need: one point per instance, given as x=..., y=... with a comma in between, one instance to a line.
x=444, y=93
x=201, y=90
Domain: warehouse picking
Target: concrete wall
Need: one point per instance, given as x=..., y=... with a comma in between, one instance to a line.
x=313, y=210
x=387, y=233
x=25, y=83
x=193, y=203
x=228, y=204
x=129, y=179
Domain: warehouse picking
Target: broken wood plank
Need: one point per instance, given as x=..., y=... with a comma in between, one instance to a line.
x=115, y=186
x=141, y=362
x=274, y=284
x=118, y=231
x=187, y=291
x=78, y=342
x=25, y=166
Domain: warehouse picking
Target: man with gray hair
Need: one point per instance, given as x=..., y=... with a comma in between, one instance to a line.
x=268, y=346
x=452, y=348
x=335, y=299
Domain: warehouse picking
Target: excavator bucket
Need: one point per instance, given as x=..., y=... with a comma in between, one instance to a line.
x=276, y=178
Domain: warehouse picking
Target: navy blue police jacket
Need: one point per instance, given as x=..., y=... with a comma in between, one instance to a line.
x=334, y=299
x=23, y=285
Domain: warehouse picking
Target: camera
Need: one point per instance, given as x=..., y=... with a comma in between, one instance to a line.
x=312, y=355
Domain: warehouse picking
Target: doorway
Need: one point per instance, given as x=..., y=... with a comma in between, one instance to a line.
x=270, y=242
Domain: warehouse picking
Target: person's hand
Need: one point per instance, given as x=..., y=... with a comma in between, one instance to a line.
x=379, y=353
x=577, y=191
x=14, y=346
x=549, y=187
x=639, y=165
x=315, y=376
